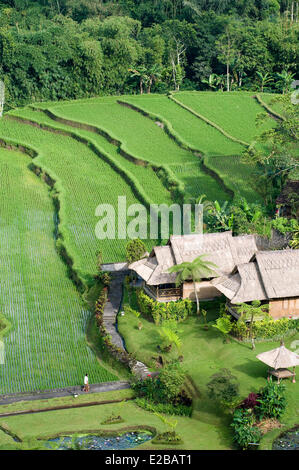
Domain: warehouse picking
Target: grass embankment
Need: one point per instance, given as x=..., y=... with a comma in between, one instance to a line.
x=46, y=347
x=188, y=128
x=204, y=354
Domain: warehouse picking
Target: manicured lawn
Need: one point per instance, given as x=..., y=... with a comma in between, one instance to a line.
x=205, y=353
x=196, y=434
x=46, y=346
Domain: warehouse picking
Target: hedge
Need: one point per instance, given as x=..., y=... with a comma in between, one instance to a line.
x=265, y=329
x=160, y=311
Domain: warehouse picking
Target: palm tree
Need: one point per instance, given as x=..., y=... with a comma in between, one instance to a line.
x=143, y=76
x=154, y=73
x=264, y=79
x=195, y=271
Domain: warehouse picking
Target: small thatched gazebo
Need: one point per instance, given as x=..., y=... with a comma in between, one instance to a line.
x=279, y=360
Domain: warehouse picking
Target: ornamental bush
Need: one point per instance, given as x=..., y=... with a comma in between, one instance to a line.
x=166, y=408
x=264, y=329
x=160, y=311
x=272, y=401
x=135, y=249
x=223, y=386
x=250, y=402
x=165, y=388
x=245, y=433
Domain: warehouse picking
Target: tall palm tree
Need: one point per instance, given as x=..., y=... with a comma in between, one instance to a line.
x=195, y=271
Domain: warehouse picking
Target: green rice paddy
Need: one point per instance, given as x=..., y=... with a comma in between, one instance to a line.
x=46, y=346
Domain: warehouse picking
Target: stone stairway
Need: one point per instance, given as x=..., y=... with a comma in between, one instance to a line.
x=111, y=310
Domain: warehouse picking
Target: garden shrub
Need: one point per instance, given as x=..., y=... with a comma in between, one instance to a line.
x=223, y=386
x=264, y=329
x=284, y=225
x=165, y=388
x=272, y=401
x=135, y=249
x=166, y=408
x=245, y=432
x=160, y=311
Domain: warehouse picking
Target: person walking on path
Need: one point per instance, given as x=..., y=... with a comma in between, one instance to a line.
x=86, y=384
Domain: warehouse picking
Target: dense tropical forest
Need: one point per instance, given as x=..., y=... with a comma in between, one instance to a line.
x=66, y=49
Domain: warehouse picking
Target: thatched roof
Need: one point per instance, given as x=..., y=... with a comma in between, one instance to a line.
x=222, y=249
x=270, y=275
x=280, y=272
x=279, y=358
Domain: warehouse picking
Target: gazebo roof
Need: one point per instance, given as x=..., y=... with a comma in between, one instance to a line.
x=279, y=358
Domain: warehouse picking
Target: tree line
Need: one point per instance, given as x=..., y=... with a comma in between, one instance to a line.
x=67, y=49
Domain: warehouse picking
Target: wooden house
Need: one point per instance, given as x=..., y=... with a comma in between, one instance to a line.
x=243, y=273
x=271, y=277
x=222, y=249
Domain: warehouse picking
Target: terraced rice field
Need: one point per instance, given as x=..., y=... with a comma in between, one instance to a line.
x=46, y=347
x=238, y=176
x=84, y=181
x=194, y=132
x=235, y=113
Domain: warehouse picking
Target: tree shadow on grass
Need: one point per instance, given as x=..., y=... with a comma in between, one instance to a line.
x=253, y=368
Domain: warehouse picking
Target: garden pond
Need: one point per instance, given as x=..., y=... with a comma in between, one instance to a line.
x=287, y=441
x=124, y=441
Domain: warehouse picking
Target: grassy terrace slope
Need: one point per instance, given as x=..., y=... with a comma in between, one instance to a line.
x=193, y=132
x=46, y=346
x=84, y=181
x=235, y=113
x=143, y=139
x=222, y=155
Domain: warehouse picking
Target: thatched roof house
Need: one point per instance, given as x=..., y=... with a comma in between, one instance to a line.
x=222, y=249
x=243, y=273
x=271, y=276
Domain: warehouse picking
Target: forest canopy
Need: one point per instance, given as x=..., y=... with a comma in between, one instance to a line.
x=66, y=49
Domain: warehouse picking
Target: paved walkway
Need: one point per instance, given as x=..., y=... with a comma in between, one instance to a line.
x=63, y=392
x=112, y=308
